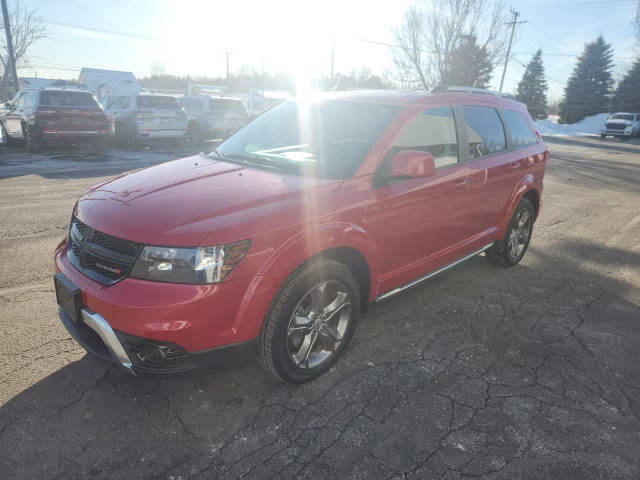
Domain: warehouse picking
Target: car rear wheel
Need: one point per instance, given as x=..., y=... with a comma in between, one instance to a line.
x=193, y=133
x=99, y=146
x=311, y=321
x=32, y=144
x=511, y=248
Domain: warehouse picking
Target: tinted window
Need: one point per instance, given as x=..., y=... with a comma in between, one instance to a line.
x=519, y=130
x=157, y=101
x=485, y=132
x=433, y=131
x=326, y=139
x=226, y=104
x=59, y=98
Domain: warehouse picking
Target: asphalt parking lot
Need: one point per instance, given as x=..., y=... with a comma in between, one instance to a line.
x=529, y=372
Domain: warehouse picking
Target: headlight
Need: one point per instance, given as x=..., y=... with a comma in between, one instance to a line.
x=198, y=265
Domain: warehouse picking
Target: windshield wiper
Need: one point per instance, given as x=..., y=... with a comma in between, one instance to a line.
x=262, y=161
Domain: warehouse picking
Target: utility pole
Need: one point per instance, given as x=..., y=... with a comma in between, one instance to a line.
x=227, y=54
x=513, y=24
x=333, y=50
x=7, y=29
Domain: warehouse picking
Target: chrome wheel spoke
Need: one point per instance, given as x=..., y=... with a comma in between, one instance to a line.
x=523, y=219
x=318, y=296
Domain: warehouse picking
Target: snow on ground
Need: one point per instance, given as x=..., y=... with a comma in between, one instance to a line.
x=587, y=126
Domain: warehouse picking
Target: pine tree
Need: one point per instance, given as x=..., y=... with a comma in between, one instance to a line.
x=468, y=65
x=589, y=86
x=627, y=95
x=532, y=89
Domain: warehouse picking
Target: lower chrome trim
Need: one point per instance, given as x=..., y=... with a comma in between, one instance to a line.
x=98, y=324
x=431, y=274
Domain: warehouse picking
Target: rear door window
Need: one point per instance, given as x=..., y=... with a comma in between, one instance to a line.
x=157, y=101
x=119, y=103
x=54, y=98
x=485, y=132
x=433, y=131
x=520, y=133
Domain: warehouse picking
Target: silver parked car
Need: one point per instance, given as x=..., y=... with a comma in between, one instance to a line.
x=213, y=116
x=144, y=117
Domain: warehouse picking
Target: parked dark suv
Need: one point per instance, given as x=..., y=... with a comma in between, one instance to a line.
x=54, y=115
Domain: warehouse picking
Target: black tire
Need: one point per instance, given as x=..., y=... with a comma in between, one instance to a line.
x=32, y=144
x=194, y=135
x=501, y=253
x=603, y=136
x=122, y=138
x=274, y=339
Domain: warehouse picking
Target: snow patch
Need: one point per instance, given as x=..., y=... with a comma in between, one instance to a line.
x=587, y=126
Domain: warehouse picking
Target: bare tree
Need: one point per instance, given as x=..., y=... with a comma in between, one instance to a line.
x=26, y=29
x=432, y=30
x=158, y=69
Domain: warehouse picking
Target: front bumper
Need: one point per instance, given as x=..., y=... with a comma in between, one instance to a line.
x=138, y=355
x=618, y=133
x=193, y=324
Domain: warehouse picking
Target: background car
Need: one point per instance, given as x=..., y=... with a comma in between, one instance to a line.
x=144, y=117
x=213, y=117
x=622, y=125
x=53, y=116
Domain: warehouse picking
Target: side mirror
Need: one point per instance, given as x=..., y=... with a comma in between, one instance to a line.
x=412, y=164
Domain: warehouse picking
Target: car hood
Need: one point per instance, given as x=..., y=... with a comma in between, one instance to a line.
x=180, y=203
x=620, y=122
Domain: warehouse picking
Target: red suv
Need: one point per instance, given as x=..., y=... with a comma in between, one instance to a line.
x=280, y=238
x=53, y=116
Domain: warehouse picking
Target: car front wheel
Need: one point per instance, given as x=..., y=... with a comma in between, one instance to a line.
x=311, y=321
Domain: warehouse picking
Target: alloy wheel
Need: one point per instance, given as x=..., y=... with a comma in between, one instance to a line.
x=318, y=324
x=520, y=234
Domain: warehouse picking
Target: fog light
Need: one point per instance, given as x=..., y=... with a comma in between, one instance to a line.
x=151, y=353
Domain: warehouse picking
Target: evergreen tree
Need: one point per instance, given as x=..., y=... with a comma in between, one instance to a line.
x=589, y=86
x=532, y=89
x=627, y=95
x=468, y=65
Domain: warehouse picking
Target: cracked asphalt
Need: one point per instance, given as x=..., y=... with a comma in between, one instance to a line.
x=531, y=372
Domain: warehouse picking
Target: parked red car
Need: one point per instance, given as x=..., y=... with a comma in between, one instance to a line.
x=279, y=239
x=48, y=116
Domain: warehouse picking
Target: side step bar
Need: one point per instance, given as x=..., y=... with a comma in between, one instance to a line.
x=418, y=280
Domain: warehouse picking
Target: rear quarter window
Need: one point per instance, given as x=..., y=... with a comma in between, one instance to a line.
x=485, y=133
x=520, y=132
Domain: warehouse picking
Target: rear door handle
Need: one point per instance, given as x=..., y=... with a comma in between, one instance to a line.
x=516, y=164
x=463, y=183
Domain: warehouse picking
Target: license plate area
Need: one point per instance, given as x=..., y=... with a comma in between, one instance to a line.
x=69, y=296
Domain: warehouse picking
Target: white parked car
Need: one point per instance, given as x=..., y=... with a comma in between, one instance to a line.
x=213, y=116
x=143, y=117
x=621, y=125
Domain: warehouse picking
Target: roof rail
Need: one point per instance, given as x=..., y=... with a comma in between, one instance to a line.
x=457, y=89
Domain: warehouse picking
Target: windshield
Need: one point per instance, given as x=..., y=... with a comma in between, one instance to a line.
x=327, y=139
x=622, y=116
x=157, y=101
x=54, y=98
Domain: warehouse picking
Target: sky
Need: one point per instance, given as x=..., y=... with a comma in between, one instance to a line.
x=192, y=36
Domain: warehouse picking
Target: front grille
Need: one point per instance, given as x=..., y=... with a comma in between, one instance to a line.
x=102, y=257
x=616, y=126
